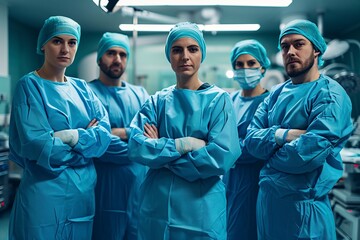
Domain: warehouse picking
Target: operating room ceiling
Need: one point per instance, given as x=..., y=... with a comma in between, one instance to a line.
x=338, y=17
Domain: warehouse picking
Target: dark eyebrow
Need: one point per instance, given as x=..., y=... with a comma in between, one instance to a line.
x=59, y=38
x=294, y=41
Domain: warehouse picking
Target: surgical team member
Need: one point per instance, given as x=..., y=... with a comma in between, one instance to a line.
x=186, y=135
x=57, y=126
x=299, y=130
x=249, y=62
x=118, y=178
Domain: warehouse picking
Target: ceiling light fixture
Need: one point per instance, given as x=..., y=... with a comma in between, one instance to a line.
x=256, y=3
x=114, y=5
x=206, y=28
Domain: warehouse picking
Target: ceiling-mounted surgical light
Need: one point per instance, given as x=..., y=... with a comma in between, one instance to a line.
x=107, y=5
x=206, y=28
x=256, y=3
x=111, y=6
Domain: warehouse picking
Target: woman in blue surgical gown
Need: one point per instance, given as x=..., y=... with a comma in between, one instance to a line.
x=249, y=61
x=57, y=126
x=186, y=134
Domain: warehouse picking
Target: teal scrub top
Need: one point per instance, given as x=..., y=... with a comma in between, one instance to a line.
x=182, y=196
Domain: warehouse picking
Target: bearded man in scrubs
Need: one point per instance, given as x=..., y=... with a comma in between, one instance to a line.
x=299, y=130
x=118, y=178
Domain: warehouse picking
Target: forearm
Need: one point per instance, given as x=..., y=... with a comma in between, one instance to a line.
x=120, y=132
x=302, y=155
x=283, y=135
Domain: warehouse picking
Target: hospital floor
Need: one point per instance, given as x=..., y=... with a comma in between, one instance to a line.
x=4, y=224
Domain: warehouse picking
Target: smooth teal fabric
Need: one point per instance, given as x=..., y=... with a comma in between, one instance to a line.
x=183, y=197
x=297, y=177
x=242, y=180
x=55, y=26
x=55, y=199
x=119, y=178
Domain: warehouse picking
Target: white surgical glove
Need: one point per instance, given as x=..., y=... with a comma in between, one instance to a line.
x=70, y=136
x=280, y=136
x=187, y=144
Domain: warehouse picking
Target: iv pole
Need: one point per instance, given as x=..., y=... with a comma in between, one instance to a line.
x=134, y=40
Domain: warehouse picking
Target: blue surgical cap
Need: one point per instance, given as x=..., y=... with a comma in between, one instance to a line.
x=253, y=48
x=55, y=26
x=185, y=30
x=310, y=31
x=110, y=40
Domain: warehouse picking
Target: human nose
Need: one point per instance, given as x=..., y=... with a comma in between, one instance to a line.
x=117, y=58
x=65, y=48
x=291, y=50
x=186, y=55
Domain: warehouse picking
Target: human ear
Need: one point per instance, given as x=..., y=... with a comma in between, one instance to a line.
x=316, y=53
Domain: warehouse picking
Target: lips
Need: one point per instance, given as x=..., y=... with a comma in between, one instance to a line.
x=63, y=58
x=115, y=68
x=185, y=66
x=292, y=61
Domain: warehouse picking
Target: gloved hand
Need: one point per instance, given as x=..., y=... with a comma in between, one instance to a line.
x=69, y=136
x=283, y=136
x=187, y=144
x=280, y=136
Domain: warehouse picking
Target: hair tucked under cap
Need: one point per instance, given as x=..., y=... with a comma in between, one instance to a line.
x=185, y=30
x=55, y=26
x=310, y=31
x=253, y=48
x=109, y=40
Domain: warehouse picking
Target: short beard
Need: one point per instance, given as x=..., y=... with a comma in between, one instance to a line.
x=305, y=69
x=108, y=72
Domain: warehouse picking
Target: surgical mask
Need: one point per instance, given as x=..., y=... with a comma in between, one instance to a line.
x=248, y=78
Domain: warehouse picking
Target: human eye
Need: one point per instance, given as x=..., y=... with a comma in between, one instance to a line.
x=56, y=41
x=193, y=49
x=123, y=55
x=299, y=44
x=284, y=46
x=72, y=43
x=111, y=53
x=239, y=65
x=176, y=50
x=251, y=63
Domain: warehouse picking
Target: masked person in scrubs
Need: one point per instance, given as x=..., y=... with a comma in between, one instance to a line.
x=249, y=61
x=57, y=127
x=118, y=178
x=186, y=134
x=299, y=130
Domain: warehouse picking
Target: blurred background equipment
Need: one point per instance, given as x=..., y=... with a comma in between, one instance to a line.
x=346, y=201
x=344, y=63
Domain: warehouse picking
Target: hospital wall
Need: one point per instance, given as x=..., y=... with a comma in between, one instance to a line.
x=152, y=68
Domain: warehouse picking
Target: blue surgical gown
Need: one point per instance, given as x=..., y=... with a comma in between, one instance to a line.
x=55, y=199
x=182, y=196
x=118, y=178
x=242, y=180
x=297, y=177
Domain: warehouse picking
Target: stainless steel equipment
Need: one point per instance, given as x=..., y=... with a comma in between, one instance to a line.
x=4, y=179
x=346, y=201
